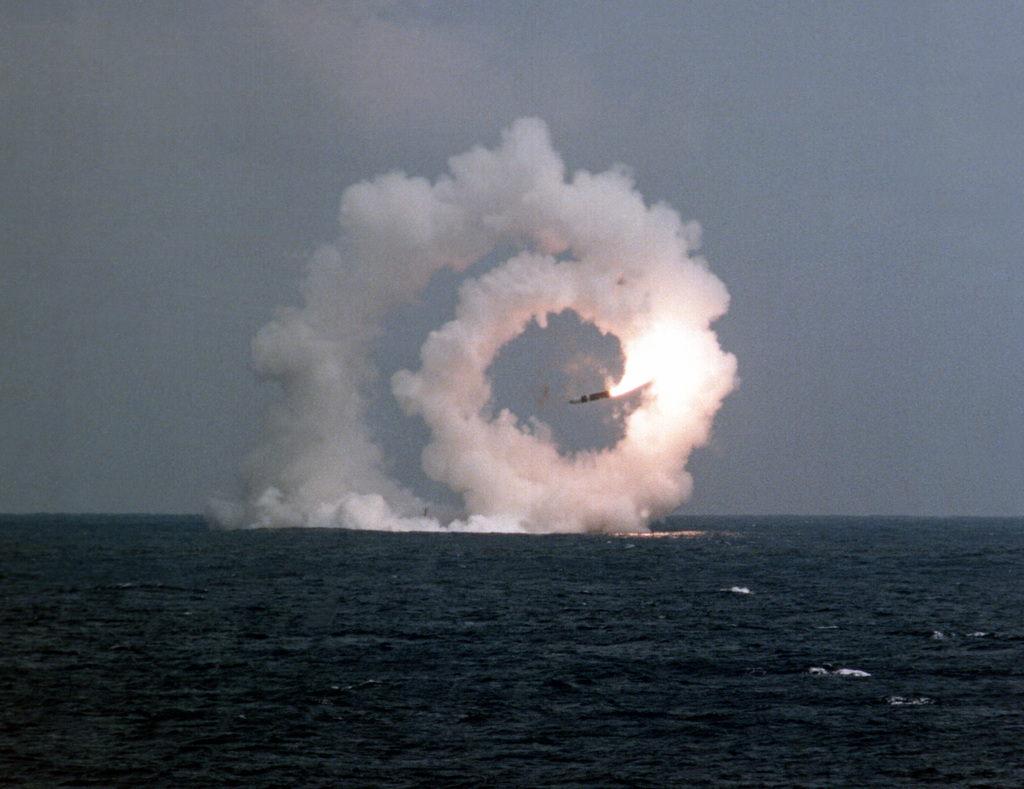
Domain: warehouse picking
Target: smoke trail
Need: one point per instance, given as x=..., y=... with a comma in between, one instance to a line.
x=588, y=244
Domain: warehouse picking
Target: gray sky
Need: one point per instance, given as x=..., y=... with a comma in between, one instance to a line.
x=857, y=168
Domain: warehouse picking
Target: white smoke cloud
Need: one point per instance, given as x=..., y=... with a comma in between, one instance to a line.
x=588, y=244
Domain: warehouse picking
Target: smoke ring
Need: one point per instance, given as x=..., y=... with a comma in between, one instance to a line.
x=505, y=468
x=588, y=244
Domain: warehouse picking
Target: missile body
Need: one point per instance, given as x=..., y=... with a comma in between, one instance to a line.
x=589, y=398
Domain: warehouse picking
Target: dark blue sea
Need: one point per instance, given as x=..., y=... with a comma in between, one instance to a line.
x=728, y=652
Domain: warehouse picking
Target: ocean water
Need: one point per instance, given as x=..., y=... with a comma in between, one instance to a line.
x=156, y=652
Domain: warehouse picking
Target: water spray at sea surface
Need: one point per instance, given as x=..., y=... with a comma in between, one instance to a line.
x=586, y=245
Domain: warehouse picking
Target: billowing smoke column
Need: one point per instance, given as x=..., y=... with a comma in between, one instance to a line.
x=589, y=245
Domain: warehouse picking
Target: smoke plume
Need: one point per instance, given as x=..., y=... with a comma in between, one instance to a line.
x=530, y=245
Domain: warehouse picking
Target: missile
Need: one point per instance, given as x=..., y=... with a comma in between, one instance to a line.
x=589, y=398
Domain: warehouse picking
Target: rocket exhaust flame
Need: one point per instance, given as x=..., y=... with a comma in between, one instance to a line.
x=588, y=244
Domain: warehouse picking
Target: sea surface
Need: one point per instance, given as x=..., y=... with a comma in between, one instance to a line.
x=728, y=652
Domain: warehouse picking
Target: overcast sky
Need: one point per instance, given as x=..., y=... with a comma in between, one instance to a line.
x=857, y=168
